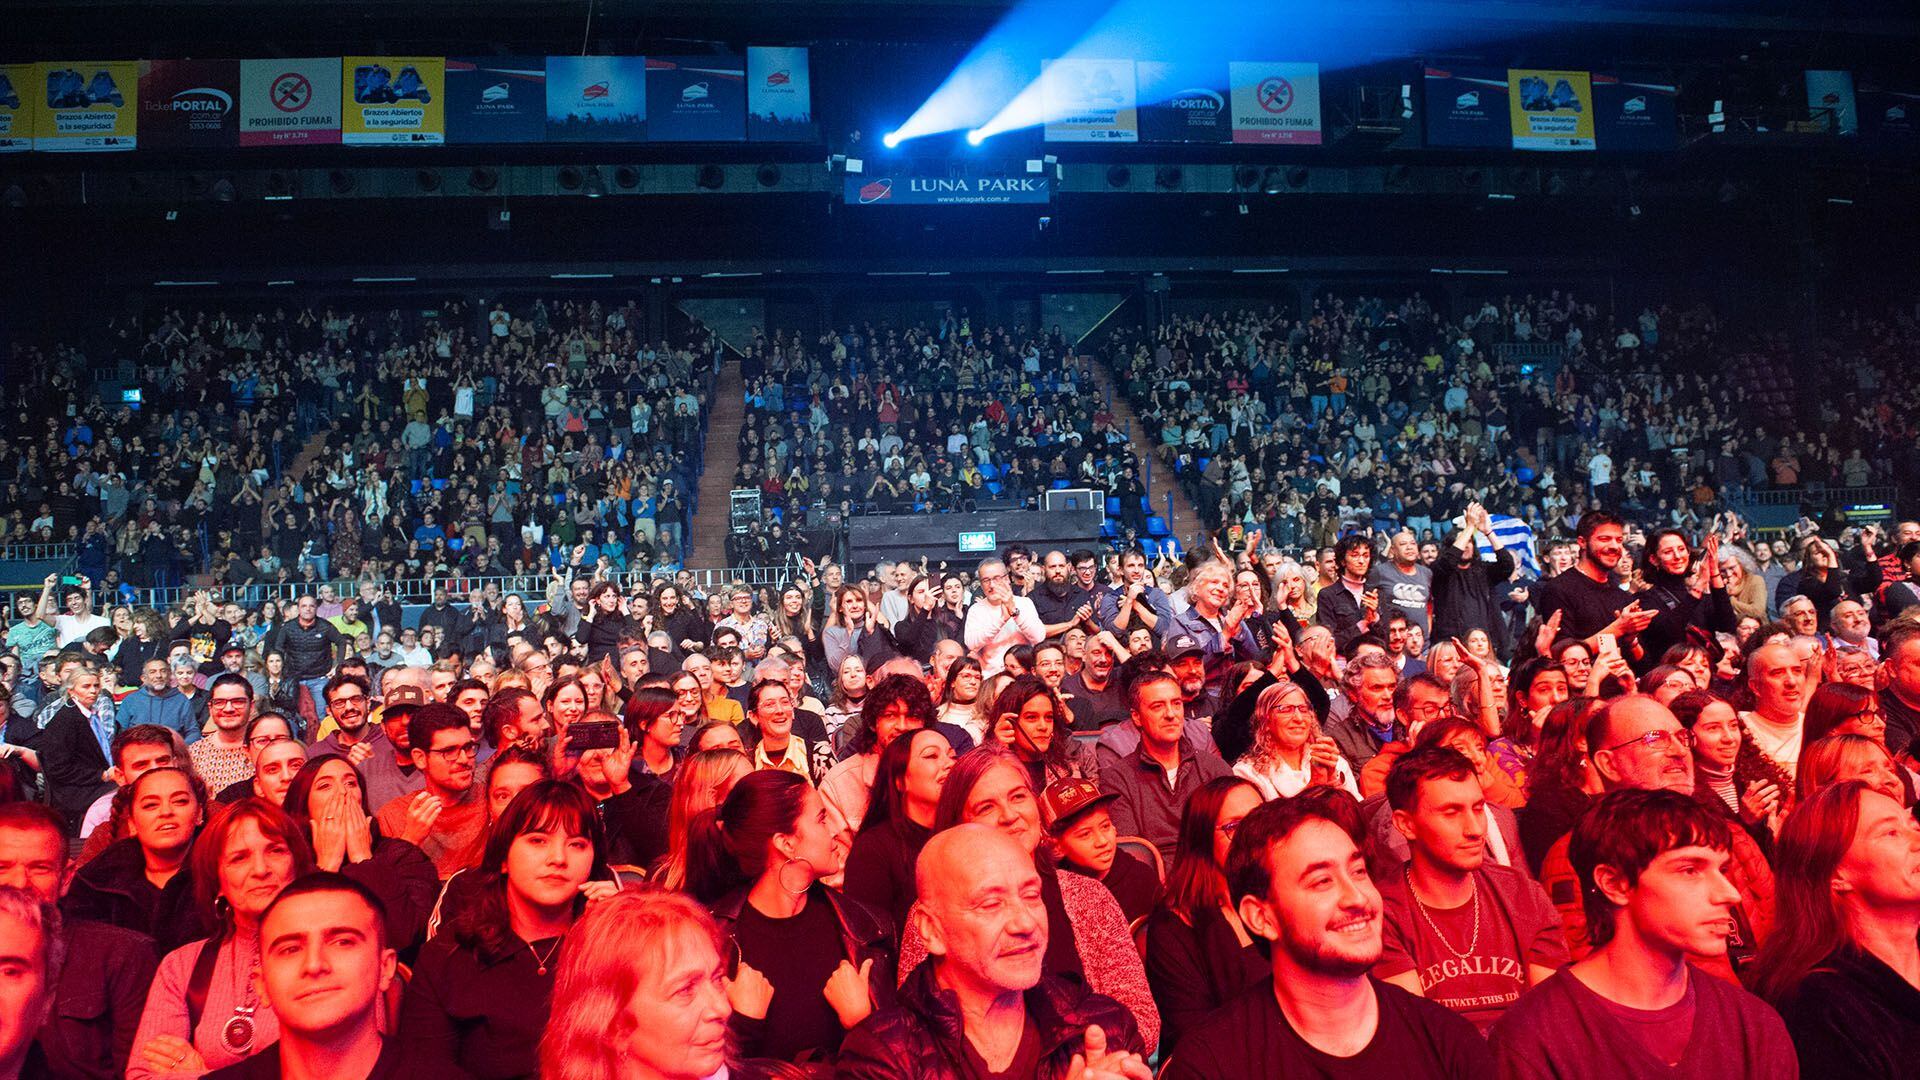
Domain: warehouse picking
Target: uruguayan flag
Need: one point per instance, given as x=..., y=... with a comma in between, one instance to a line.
x=1515, y=535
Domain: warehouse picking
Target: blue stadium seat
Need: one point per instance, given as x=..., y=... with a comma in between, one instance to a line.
x=559, y=498
x=439, y=483
x=1061, y=485
x=1157, y=527
x=455, y=543
x=1109, y=530
x=994, y=487
x=1113, y=506
x=415, y=486
x=988, y=471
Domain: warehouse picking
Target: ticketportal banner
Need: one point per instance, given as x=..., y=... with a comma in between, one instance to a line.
x=1275, y=103
x=17, y=107
x=1467, y=107
x=190, y=103
x=1182, y=103
x=696, y=98
x=945, y=191
x=1090, y=101
x=779, y=95
x=1832, y=92
x=86, y=106
x=1551, y=110
x=596, y=98
x=496, y=99
x=290, y=102
x=393, y=100
x=1635, y=113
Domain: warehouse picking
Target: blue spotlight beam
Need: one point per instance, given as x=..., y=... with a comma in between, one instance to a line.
x=1004, y=61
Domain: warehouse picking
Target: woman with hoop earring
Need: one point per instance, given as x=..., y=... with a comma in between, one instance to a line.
x=810, y=962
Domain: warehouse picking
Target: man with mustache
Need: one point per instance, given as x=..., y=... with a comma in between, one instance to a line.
x=1654, y=866
x=1299, y=879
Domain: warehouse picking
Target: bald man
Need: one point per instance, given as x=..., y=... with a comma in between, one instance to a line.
x=1636, y=743
x=985, y=925
x=1778, y=680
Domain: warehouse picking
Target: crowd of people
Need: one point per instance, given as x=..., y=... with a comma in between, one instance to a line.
x=1396, y=809
x=459, y=440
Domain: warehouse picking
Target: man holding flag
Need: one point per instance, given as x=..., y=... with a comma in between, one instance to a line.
x=1464, y=584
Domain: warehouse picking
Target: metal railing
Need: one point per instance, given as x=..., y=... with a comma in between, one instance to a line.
x=1820, y=496
x=37, y=552
x=420, y=590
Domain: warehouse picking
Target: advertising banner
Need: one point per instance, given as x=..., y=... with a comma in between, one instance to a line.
x=1089, y=101
x=945, y=191
x=596, y=98
x=189, y=103
x=87, y=106
x=1634, y=113
x=393, y=100
x=1182, y=103
x=1885, y=111
x=1833, y=90
x=1467, y=107
x=17, y=107
x=1550, y=110
x=290, y=102
x=1275, y=103
x=496, y=99
x=779, y=95
x=696, y=98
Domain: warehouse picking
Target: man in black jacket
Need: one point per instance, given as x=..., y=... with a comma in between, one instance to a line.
x=1464, y=584
x=311, y=646
x=99, y=998
x=981, y=1006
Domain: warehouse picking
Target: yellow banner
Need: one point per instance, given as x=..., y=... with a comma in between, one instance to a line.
x=1551, y=110
x=85, y=105
x=393, y=100
x=17, y=97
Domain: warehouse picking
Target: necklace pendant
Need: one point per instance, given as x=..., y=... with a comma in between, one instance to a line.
x=237, y=1035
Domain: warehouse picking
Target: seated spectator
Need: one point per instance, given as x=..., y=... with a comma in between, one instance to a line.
x=447, y=820
x=157, y=702
x=1085, y=841
x=1847, y=883
x=1298, y=879
x=135, y=750
x=673, y=1021
x=478, y=998
x=1030, y=719
x=30, y=931
x=908, y=779
x=98, y=999
x=329, y=804
x=706, y=778
x=1654, y=871
x=1199, y=955
x=1155, y=781
x=204, y=1011
x=987, y=927
x=276, y=756
x=333, y=1028
x=1289, y=752
x=143, y=883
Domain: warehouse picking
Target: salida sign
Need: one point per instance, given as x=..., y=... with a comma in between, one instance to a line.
x=948, y=191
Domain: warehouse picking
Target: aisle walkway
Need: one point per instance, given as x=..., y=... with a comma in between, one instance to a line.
x=1185, y=522
x=707, y=535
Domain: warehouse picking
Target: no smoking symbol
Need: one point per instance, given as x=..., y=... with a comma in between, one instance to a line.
x=290, y=92
x=1275, y=95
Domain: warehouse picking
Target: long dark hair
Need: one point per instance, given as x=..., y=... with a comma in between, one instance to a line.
x=888, y=797
x=1832, y=704
x=1813, y=840
x=1014, y=696
x=1650, y=566
x=1750, y=765
x=881, y=696
x=1557, y=756
x=727, y=849
x=1195, y=882
x=300, y=791
x=484, y=925
x=647, y=705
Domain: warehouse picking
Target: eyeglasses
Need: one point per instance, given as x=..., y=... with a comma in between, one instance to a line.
x=1288, y=711
x=449, y=753
x=268, y=740
x=1658, y=740
x=1430, y=711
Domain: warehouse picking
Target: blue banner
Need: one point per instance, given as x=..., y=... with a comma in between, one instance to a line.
x=1635, y=113
x=496, y=99
x=1183, y=103
x=946, y=191
x=596, y=98
x=779, y=95
x=696, y=99
x=1468, y=107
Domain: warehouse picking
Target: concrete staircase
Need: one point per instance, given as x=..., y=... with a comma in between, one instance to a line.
x=1185, y=522
x=707, y=533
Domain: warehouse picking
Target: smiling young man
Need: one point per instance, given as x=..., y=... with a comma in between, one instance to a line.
x=1653, y=868
x=324, y=964
x=1588, y=596
x=448, y=819
x=1300, y=881
x=1461, y=929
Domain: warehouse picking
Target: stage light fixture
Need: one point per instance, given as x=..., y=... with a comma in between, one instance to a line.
x=890, y=140
x=1245, y=176
x=1297, y=177
x=570, y=178
x=767, y=175
x=596, y=187
x=711, y=177
x=341, y=181
x=282, y=184
x=15, y=197
x=427, y=180
x=221, y=191
x=976, y=137
x=626, y=178
x=1119, y=176
x=483, y=179
x=1169, y=177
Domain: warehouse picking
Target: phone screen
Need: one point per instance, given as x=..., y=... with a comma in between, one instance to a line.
x=593, y=735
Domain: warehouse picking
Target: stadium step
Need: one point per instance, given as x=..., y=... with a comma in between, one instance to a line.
x=706, y=538
x=1184, y=523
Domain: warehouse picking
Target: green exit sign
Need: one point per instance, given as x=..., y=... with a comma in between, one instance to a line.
x=976, y=542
